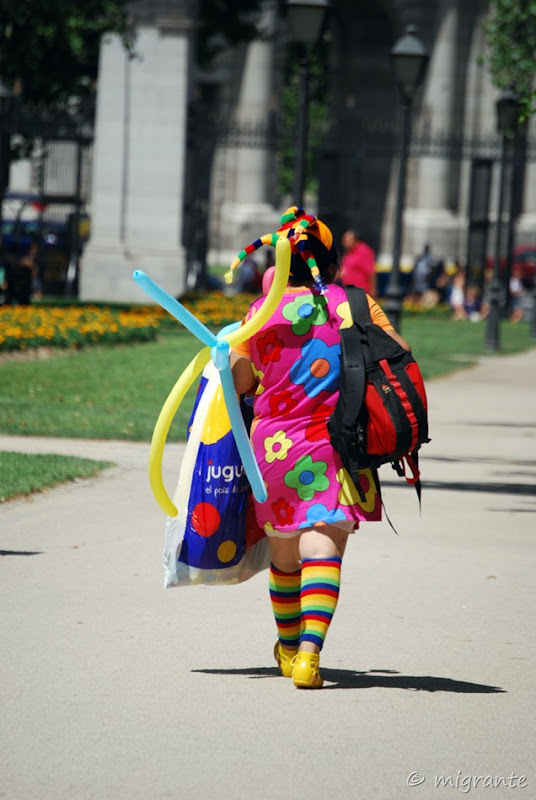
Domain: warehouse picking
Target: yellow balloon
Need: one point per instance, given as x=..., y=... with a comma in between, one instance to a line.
x=196, y=366
x=282, y=269
x=163, y=423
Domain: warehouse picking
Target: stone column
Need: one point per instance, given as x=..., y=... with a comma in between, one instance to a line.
x=428, y=216
x=480, y=126
x=526, y=223
x=243, y=173
x=138, y=169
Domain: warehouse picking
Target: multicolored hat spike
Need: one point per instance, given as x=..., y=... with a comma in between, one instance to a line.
x=269, y=239
x=294, y=222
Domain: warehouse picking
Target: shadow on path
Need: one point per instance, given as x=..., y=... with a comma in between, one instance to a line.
x=374, y=678
x=525, y=489
x=20, y=552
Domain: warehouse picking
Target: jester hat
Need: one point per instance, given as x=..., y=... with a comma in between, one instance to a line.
x=311, y=244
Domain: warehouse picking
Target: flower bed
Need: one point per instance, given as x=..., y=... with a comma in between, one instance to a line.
x=25, y=327
x=215, y=309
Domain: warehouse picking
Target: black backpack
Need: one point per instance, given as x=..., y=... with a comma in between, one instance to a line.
x=381, y=414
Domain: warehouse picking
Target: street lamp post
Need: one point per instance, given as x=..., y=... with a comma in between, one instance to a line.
x=513, y=189
x=7, y=100
x=409, y=60
x=305, y=19
x=507, y=116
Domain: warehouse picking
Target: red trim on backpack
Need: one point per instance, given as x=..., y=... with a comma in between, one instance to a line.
x=404, y=399
x=407, y=459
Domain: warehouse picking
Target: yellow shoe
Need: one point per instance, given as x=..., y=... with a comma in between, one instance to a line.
x=305, y=672
x=284, y=658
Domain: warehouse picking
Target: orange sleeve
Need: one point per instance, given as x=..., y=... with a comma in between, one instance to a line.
x=242, y=349
x=378, y=316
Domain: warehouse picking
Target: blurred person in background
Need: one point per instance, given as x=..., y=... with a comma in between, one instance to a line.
x=30, y=284
x=358, y=264
x=457, y=295
x=517, y=292
x=422, y=277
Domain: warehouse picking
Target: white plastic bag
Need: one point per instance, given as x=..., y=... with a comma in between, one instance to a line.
x=215, y=538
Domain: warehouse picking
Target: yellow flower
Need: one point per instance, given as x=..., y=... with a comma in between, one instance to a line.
x=343, y=310
x=259, y=376
x=348, y=494
x=276, y=447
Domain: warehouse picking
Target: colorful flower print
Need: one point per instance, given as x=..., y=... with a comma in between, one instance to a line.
x=348, y=494
x=276, y=447
x=318, y=368
x=304, y=312
x=344, y=312
x=269, y=347
x=281, y=404
x=283, y=511
x=317, y=428
x=307, y=477
x=320, y=513
x=259, y=375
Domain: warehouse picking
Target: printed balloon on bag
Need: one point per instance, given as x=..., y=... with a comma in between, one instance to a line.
x=215, y=538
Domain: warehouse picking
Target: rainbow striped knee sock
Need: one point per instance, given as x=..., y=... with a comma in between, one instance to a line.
x=285, y=588
x=321, y=578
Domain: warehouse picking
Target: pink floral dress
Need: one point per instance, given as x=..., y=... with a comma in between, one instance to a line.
x=295, y=358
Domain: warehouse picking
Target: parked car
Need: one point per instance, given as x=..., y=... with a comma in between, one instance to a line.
x=54, y=240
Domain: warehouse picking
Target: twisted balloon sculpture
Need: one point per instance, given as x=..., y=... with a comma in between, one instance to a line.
x=217, y=348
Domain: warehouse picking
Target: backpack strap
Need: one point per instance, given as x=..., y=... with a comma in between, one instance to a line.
x=358, y=304
x=412, y=461
x=341, y=424
x=377, y=484
x=352, y=378
x=353, y=359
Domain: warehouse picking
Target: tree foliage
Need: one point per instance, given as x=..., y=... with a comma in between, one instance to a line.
x=49, y=53
x=49, y=50
x=511, y=36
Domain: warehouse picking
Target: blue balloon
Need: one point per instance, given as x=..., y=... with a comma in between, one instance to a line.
x=220, y=356
x=233, y=326
x=174, y=308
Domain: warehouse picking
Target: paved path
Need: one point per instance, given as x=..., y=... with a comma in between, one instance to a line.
x=114, y=689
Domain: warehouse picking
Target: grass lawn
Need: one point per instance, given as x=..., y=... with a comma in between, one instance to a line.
x=117, y=393
x=98, y=393
x=23, y=473
x=442, y=346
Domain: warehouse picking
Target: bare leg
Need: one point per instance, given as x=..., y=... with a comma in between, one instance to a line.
x=324, y=542
x=285, y=553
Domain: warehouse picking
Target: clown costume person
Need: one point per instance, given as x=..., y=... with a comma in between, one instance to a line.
x=292, y=367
